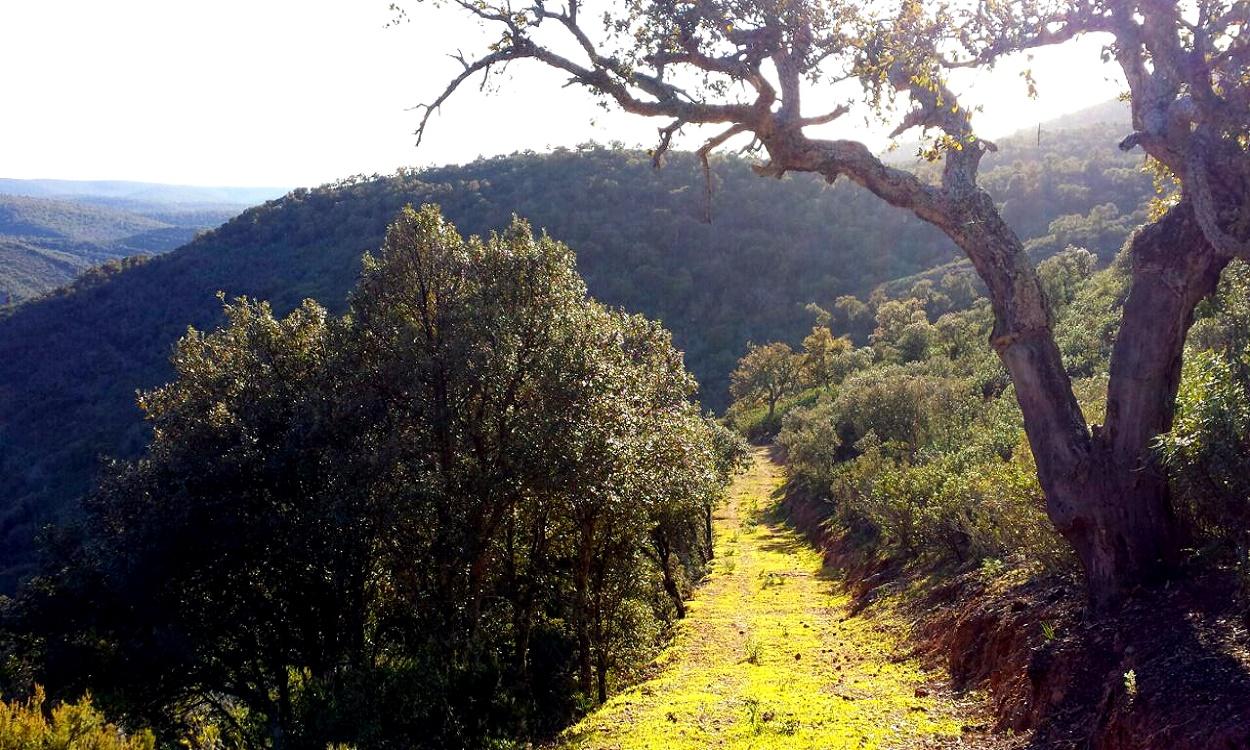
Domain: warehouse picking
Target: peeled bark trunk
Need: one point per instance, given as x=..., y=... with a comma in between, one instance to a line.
x=708, y=539
x=602, y=681
x=583, y=661
x=524, y=626
x=1103, y=491
x=664, y=559
x=1128, y=533
x=674, y=593
x=670, y=586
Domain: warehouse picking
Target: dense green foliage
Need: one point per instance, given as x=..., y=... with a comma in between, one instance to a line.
x=46, y=243
x=766, y=374
x=450, y=516
x=70, y=364
x=918, y=448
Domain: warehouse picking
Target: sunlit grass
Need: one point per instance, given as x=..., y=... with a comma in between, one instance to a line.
x=770, y=658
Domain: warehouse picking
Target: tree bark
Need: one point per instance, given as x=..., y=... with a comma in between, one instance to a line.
x=1127, y=532
x=602, y=677
x=708, y=538
x=1104, y=492
x=581, y=587
x=670, y=582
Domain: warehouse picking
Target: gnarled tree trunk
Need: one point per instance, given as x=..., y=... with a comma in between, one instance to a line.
x=1127, y=532
x=1104, y=491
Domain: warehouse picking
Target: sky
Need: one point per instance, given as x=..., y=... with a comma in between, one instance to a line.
x=286, y=93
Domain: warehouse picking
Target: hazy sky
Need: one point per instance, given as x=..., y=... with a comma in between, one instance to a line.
x=301, y=92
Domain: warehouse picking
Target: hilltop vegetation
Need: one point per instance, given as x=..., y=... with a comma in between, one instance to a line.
x=71, y=363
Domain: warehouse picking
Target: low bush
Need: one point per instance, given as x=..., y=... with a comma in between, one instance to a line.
x=30, y=725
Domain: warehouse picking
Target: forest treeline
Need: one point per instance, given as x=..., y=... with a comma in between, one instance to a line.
x=903, y=424
x=71, y=362
x=457, y=514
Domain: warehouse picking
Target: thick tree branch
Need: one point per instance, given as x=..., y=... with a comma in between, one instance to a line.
x=1206, y=210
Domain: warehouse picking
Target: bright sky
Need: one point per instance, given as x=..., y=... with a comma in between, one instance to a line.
x=300, y=92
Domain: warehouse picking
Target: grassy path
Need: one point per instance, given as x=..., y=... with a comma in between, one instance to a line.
x=769, y=657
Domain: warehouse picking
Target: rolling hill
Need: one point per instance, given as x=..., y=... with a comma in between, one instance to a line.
x=71, y=361
x=149, y=193
x=53, y=230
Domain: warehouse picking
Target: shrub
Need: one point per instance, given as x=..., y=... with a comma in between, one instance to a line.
x=1207, y=453
x=753, y=422
x=67, y=726
x=913, y=459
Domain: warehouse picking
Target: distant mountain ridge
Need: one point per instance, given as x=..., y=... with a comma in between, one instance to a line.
x=1111, y=113
x=53, y=230
x=140, y=192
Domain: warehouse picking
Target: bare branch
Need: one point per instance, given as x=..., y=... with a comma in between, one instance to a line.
x=710, y=145
x=470, y=69
x=1043, y=36
x=666, y=138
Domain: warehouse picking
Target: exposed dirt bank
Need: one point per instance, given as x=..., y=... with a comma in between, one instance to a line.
x=1170, y=669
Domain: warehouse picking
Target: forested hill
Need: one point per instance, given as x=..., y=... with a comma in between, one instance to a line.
x=46, y=243
x=70, y=362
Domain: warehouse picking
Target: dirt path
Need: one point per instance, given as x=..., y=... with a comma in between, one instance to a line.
x=770, y=657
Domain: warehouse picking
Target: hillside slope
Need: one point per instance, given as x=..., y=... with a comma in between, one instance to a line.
x=46, y=243
x=70, y=362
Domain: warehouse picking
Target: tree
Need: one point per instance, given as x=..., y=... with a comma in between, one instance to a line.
x=746, y=67
x=765, y=374
x=903, y=331
x=338, y=516
x=822, y=353
x=1063, y=273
